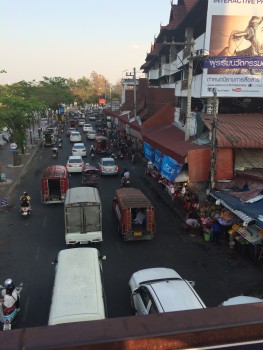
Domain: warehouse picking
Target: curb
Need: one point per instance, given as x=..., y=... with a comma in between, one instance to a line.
x=22, y=174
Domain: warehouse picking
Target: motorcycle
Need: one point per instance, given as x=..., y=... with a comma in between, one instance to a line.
x=92, y=154
x=125, y=181
x=25, y=209
x=60, y=144
x=8, y=316
x=54, y=153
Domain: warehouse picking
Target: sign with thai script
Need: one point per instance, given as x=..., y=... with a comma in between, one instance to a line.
x=234, y=46
x=170, y=168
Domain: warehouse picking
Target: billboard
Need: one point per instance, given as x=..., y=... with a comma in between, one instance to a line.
x=234, y=46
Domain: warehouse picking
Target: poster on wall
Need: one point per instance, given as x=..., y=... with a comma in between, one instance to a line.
x=148, y=151
x=158, y=159
x=170, y=168
x=234, y=49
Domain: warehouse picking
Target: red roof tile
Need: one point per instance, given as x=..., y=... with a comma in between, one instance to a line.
x=161, y=134
x=238, y=130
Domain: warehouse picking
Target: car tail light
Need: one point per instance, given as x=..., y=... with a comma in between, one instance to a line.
x=69, y=165
x=6, y=321
x=117, y=168
x=102, y=168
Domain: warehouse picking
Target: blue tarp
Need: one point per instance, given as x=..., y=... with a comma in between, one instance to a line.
x=246, y=211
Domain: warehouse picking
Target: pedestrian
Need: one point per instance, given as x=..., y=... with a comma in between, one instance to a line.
x=133, y=154
x=216, y=231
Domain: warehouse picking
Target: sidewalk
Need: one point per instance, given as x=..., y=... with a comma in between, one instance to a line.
x=13, y=174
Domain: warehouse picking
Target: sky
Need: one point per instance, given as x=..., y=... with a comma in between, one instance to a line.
x=72, y=38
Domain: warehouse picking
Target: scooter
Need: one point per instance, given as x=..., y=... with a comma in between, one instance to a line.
x=92, y=155
x=54, y=153
x=7, y=317
x=60, y=144
x=125, y=181
x=25, y=210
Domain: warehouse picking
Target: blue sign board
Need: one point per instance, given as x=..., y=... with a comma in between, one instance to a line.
x=170, y=168
x=61, y=110
x=148, y=151
x=158, y=159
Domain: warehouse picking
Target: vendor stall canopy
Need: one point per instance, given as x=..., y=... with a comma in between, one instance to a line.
x=247, y=212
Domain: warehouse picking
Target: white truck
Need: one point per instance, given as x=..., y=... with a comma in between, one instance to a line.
x=83, y=216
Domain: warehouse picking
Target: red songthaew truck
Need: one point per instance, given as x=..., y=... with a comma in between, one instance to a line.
x=54, y=184
x=134, y=213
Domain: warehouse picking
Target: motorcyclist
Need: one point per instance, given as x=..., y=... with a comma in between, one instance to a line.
x=55, y=151
x=60, y=142
x=11, y=298
x=92, y=150
x=125, y=175
x=25, y=200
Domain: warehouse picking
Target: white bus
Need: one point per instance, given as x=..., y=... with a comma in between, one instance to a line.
x=78, y=293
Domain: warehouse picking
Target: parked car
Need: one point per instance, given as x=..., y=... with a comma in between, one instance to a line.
x=108, y=166
x=69, y=131
x=87, y=127
x=75, y=164
x=75, y=136
x=242, y=299
x=79, y=149
x=158, y=290
x=91, y=134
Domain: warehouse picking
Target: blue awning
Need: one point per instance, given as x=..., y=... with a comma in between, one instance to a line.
x=245, y=211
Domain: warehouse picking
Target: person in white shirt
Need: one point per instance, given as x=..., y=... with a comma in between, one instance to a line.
x=140, y=216
x=10, y=297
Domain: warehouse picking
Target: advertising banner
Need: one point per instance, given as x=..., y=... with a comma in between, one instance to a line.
x=170, y=168
x=158, y=159
x=234, y=49
x=148, y=151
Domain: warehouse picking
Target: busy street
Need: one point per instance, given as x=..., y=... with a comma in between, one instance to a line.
x=29, y=246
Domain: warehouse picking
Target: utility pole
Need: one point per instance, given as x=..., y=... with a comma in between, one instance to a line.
x=190, y=46
x=134, y=90
x=213, y=143
x=190, y=43
x=105, y=95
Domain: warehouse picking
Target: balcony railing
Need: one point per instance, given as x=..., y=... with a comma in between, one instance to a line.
x=153, y=74
x=212, y=327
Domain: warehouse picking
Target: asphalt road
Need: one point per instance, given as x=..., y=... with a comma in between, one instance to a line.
x=28, y=247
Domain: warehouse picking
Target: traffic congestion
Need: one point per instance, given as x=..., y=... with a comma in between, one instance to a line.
x=93, y=194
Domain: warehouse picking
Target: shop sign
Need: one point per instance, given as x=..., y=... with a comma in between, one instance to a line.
x=170, y=168
x=158, y=159
x=148, y=151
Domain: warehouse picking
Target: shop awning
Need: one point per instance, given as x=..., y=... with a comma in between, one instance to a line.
x=169, y=140
x=247, y=212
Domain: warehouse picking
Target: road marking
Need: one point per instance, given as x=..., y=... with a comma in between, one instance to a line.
x=37, y=253
x=25, y=310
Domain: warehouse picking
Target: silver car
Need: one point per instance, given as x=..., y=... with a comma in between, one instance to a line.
x=108, y=166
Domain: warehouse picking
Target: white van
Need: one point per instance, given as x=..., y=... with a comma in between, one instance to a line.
x=78, y=293
x=83, y=217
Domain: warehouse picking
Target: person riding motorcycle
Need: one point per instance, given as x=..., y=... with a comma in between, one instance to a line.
x=125, y=175
x=54, y=151
x=25, y=200
x=92, y=150
x=11, y=298
x=60, y=142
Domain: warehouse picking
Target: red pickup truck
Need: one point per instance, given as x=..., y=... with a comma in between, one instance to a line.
x=54, y=184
